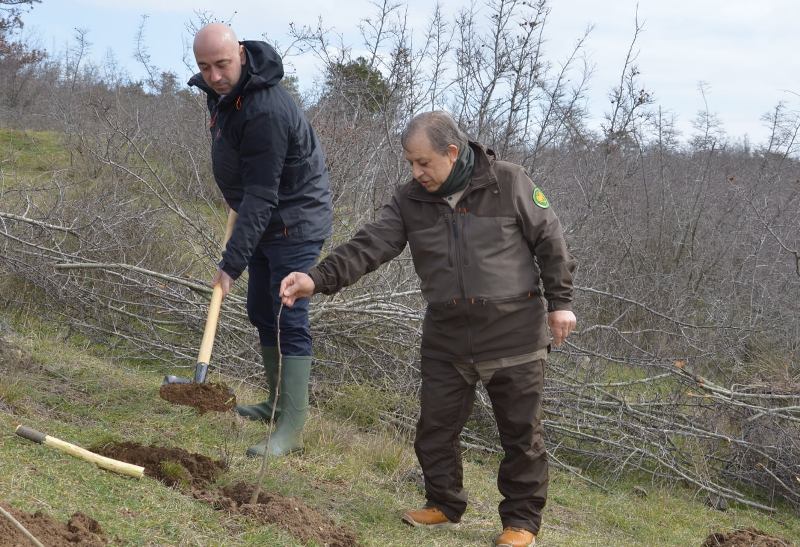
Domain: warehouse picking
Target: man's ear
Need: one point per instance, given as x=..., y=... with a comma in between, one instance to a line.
x=452, y=152
x=242, y=54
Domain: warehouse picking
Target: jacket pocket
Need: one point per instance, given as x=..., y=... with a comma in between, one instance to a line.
x=509, y=325
x=292, y=176
x=432, y=250
x=444, y=331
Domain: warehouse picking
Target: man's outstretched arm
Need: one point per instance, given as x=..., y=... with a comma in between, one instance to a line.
x=374, y=244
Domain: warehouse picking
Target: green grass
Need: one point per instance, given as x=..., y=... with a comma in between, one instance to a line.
x=363, y=479
x=30, y=153
x=362, y=405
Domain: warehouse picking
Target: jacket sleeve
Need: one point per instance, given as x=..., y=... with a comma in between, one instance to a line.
x=262, y=153
x=545, y=237
x=374, y=244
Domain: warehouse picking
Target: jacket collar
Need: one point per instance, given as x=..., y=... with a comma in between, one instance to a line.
x=263, y=68
x=482, y=175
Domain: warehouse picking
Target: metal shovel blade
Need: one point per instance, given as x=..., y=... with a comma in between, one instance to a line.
x=200, y=373
x=175, y=380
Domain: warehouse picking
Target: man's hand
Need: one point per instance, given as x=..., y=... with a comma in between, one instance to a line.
x=224, y=280
x=562, y=323
x=296, y=285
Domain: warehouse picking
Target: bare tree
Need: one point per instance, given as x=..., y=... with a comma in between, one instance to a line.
x=686, y=364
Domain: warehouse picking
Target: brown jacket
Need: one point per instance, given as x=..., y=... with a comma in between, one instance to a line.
x=479, y=265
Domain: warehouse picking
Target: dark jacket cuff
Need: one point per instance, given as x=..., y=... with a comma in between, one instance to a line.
x=316, y=277
x=230, y=270
x=559, y=305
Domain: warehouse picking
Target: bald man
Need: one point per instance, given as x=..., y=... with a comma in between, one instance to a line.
x=271, y=170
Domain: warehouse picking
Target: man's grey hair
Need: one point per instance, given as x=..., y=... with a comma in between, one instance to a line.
x=441, y=129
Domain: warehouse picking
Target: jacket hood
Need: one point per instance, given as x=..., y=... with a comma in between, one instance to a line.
x=264, y=65
x=264, y=68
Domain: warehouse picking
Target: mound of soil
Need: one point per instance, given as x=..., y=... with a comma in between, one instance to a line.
x=749, y=537
x=80, y=530
x=172, y=466
x=300, y=520
x=203, y=397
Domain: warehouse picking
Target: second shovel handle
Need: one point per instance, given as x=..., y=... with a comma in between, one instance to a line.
x=210, y=330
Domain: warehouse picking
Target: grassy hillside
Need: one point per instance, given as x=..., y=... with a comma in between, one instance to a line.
x=362, y=480
x=355, y=471
x=28, y=154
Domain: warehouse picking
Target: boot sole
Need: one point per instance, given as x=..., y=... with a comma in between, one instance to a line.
x=440, y=526
x=531, y=544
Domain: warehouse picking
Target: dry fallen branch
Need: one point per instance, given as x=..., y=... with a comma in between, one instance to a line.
x=21, y=528
x=116, y=266
x=677, y=264
x=35, y=222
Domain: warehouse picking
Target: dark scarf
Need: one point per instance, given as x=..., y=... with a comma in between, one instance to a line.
x=460, y=174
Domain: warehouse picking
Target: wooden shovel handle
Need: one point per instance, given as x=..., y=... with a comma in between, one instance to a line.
x=210, y=330
x=116, y=466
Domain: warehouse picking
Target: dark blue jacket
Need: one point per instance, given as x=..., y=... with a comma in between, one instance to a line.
x=267, y=161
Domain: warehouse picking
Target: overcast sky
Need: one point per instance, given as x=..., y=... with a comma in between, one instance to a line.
x=744, y=51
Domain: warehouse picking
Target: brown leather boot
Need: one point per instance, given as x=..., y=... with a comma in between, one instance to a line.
x=429, y=517
x=515, y=537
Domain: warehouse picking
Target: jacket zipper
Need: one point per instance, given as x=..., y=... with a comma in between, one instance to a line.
x=459, y=264
x=448, y=219
x=464, y=251
x=456, y=245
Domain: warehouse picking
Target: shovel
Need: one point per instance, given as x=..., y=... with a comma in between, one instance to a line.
x=74, y=450
x=204, y=355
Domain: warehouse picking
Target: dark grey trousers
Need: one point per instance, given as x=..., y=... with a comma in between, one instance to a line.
x=446, y=403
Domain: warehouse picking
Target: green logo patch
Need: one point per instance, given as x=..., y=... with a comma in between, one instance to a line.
x=540, y=199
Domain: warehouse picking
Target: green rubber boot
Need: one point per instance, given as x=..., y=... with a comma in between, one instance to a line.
x=293, y=404
x=263, y=411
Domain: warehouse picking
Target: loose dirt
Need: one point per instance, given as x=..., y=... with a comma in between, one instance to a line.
x=300, y=520
x=172, y=466
x=749, y=537
x=203, y=397
x=81, y=530
x=193, y=473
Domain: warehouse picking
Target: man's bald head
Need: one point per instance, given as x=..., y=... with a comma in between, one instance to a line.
x=219, y=56
x=215, y=35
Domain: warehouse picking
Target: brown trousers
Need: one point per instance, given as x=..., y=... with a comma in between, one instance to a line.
x=446, y=403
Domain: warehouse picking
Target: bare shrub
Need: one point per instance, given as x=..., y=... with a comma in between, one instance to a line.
x=685, y=364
